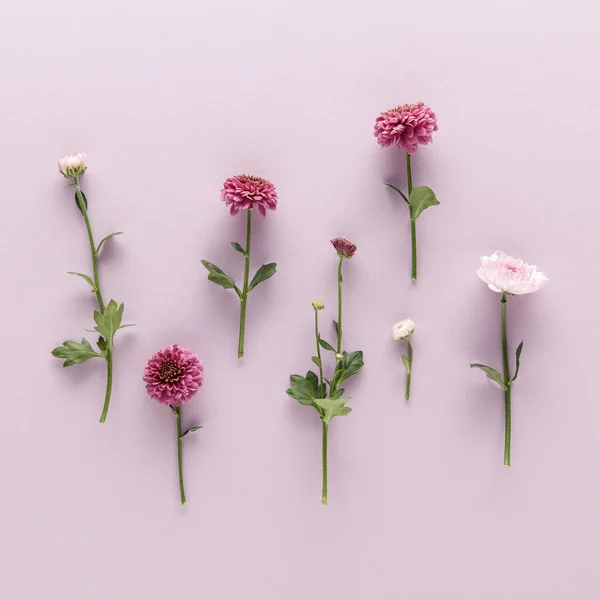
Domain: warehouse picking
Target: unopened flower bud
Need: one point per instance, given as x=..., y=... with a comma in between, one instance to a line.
x=318, y=305
x=73, y=165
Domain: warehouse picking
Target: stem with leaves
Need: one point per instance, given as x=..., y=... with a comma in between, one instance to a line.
x=339, y=313
x=507, y=383
x=318, y=338
x=413, y=220
x=244, y=298
x=408, y=368
x=177, y=411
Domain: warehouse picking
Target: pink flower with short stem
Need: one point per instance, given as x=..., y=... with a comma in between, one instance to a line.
x=344, y=248
x=173, y=376
x=406, y=126
x=508, y=276
x=72, y=165
x=248, y=192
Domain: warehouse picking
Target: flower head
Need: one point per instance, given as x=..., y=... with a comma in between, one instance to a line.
x=511, y=275
x=406, y=126
x=248, y=191
x=173, y=375
x=403, y=329
x=344, y=247
x=318, y=305
x=73, y=165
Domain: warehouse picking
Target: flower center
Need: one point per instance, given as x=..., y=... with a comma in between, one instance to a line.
x=511, y=268
x=170, y=371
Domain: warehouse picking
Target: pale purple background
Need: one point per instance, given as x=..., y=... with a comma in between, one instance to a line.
x=170, y=98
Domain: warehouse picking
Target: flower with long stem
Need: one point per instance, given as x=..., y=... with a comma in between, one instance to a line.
x=323, y=394
x=109, y=316
x=402, y=331
x=406, y=127
x=507, y=276
x=173, y=376
x=245, y=192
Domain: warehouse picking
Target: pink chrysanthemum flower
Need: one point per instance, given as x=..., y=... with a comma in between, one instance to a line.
x=504, y=273
x=247, y=191
x=344, y=247
x=406, y=126
x=173, y=375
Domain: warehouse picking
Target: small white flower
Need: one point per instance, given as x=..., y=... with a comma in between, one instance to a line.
x=511, y=275
x=73, y=165
x=403, y=329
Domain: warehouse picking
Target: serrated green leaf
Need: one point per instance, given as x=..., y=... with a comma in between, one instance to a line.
x=399, y=191
x=304, y=389
x=262, y=274
x=317, y=361
x=85, y=277
x=238, y=247
x=326, y=345
x=75, y=353
x=105, y=239
x=108, y=322
x=347, y=366
x=406, y=363
x=217, y=276
x=333, y=407
x=518, y=355
x=491, y=373
x=421, y=198
x=190, y=430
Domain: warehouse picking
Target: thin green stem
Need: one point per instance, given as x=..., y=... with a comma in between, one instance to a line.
x=339, y=321
x=507, y=382
x=409, y=174
x=109, y=378
x=180, y=455
x=409, y=370
x=244, y=298
x=317, y=336
x=413, y=222
x=324, y=489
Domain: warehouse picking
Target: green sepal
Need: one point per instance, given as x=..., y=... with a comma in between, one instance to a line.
x=83, y=276
x=262, y=274
x=399, y=191
x=326, y=345
x=105, y=239
x=333, y=407
x=491, y=373
x=238, y=248
x=190, y=430
x=219, y=277
x=174, y=410
x=75, y=353
x=518, y=358
x=347, y=366
x=421, y=198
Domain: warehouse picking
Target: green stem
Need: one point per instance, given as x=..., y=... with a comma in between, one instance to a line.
x=180, y=454
x=409, y=370
x=339, y=327
x=324, y=489
x=109, y=378
x=244, y=299
x=93, y=250
x=507, y=382
x=413, y=222
x=317, y=336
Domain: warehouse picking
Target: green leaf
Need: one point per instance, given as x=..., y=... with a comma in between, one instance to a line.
x=75, y=353
x=336, y=327
x=238, y=247
x=406, y=363
x=326, y=345
x=109, y=322
x=338, y=393
x=173, y=410
x=190, y=430
x=420, y=199
x=304, y=389
x=263, y=273
x=333, y=407
x=317, y=361
x=85, y=202
x=347, y=366
x=105, y=239
x=519, y=350
x=217, y=276
x=101, y=344
x=491, y=373
x=86, y=277
x=399, y=191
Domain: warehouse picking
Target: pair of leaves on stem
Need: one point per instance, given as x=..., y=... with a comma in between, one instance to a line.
x=107, y=324
x=216, y=275
x=495, y=376
x=191, y=429
x=419, y=199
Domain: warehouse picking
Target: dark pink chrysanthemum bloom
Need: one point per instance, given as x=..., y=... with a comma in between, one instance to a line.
x=406, y=126
x=248, y=191
x=344, y=247
x=173, y=375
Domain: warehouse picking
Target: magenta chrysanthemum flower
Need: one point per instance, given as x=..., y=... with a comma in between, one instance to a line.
x=173, y=375
x=344, y=247
x=406, y=126
x=247, y=191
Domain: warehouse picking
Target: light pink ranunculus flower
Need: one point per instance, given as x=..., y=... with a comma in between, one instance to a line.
x=406, y=126
x=504, y=273
x=247, y=192
x=73, y=165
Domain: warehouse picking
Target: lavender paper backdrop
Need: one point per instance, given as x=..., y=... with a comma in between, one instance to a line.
x=168, y=98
